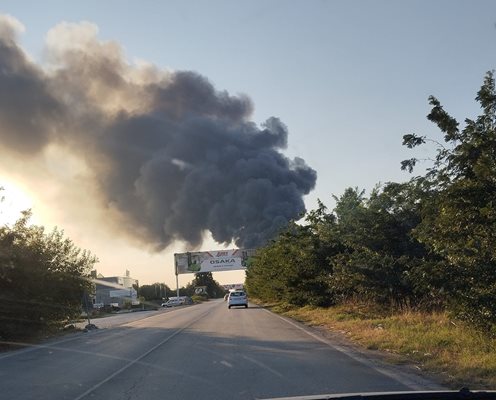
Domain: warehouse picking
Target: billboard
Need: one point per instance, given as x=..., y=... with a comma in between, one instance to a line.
x=212, y=261
x=201, y=290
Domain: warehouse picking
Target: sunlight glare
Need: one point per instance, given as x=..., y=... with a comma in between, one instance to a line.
x=13, y=200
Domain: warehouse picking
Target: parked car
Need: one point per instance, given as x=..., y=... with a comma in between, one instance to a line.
x=186, y=300
x=172, y=303
x=177, y=301
x=237, y=298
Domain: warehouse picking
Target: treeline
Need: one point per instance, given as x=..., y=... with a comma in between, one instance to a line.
x=43, y=278
x=429, y=243
x=157, y=292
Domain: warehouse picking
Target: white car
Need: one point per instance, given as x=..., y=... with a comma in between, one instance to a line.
x=172, y=303
x=237, y=298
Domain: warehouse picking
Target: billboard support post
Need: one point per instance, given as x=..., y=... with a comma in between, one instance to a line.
x=177, y=277
x=177, y=285
x=212, y=261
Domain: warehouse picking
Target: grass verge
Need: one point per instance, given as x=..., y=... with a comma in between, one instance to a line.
x=455, y=352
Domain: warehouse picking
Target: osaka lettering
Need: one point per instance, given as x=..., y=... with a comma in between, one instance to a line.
x=223, y=261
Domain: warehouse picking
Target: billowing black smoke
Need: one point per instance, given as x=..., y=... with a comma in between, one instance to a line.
x=167, y=151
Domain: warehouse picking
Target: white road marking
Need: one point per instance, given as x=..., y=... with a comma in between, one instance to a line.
x=227, y=364
x=264, y=366
x=77, y=335
x=132, y=362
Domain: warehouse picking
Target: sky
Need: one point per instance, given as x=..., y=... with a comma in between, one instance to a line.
x=346, y=78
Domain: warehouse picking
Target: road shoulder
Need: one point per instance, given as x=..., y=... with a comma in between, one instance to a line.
x=389, y=364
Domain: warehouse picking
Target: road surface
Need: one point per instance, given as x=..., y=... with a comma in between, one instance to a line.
x=200, y=352
x=122, y=318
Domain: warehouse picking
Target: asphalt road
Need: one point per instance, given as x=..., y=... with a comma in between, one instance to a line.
x=200, y=352
x=122, y=318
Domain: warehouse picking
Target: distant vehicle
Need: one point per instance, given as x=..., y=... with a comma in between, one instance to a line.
x=185, y=300
x=237, y=298
x=177, y=301
x=172, y=303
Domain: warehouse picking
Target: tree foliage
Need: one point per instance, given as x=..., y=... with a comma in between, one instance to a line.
x=295, y=268
x=429, y=242
x=43, y=277
x=214, y=290
x=459, y=222
x=155, y=292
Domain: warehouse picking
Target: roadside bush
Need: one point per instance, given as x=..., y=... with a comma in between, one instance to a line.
x=43, y=277
x=199, y=298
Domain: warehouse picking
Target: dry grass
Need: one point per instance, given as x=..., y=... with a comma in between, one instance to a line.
x=435, y=343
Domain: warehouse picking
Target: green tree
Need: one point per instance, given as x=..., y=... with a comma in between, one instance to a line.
x=459, y=222
x=381, y=257
x=155, y=292
x=43, y=277
x=214, y=290
x=294, y=267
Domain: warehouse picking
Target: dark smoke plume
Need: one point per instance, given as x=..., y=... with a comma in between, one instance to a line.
x=171, y=154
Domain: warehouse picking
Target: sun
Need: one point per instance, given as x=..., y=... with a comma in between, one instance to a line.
x=13, y=200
